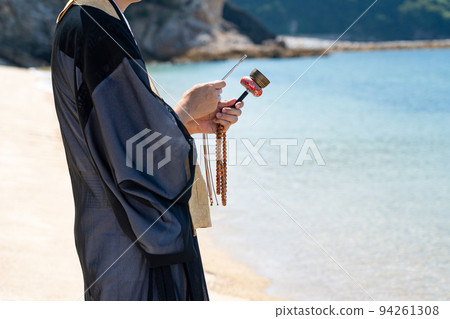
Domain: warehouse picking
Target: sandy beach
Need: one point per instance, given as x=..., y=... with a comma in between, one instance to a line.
x=37, y=250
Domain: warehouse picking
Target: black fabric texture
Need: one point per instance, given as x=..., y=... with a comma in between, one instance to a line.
x=133, y=231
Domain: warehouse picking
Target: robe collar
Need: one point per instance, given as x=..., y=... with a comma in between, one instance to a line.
x=123, y=17
x=108, y=6
x=104, y=5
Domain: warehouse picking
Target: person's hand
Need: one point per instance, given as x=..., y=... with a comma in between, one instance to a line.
x=199, y=101
x=224, y=114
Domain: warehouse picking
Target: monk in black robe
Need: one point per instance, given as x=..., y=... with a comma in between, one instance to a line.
x=133, y=229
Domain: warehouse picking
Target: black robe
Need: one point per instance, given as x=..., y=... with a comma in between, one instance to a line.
x=133, y=231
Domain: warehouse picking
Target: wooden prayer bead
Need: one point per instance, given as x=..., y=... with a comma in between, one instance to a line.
x=221, y=164
x=219, y=159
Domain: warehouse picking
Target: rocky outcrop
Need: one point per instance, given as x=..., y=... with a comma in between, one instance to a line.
x=175, y=30
x=209, y=28
x=164, y=29
x=26, y=29
x=246, y=23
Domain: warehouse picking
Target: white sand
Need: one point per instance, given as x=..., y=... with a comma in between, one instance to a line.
x=38, y=260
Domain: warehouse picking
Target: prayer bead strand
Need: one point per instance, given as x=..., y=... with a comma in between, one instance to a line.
x=224, y=169
x=221, y=162
x=219, y=159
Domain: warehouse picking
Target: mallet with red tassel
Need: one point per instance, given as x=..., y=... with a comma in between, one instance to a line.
x=254, y=85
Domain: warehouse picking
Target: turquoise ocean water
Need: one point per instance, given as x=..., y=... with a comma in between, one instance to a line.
x=375, y=219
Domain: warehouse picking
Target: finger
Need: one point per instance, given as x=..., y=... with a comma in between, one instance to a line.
x=226, y=117
x=219, y=84
x=216, y=93
x=227, y=103
x=232, y=111
x=226, y=127
x=239, y=105
x=225, y=124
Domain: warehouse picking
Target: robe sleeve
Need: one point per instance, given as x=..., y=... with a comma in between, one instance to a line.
x=142, y=152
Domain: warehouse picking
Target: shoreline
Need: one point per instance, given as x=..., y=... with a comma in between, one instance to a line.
x=287, y=47
x=37, y=248
x=292, y=47
x=318, y=43
x=227, y=278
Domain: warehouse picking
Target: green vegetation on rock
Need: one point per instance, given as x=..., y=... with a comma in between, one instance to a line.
x=387, y=19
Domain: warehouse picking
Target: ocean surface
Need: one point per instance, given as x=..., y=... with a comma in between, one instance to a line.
x=374, y=221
